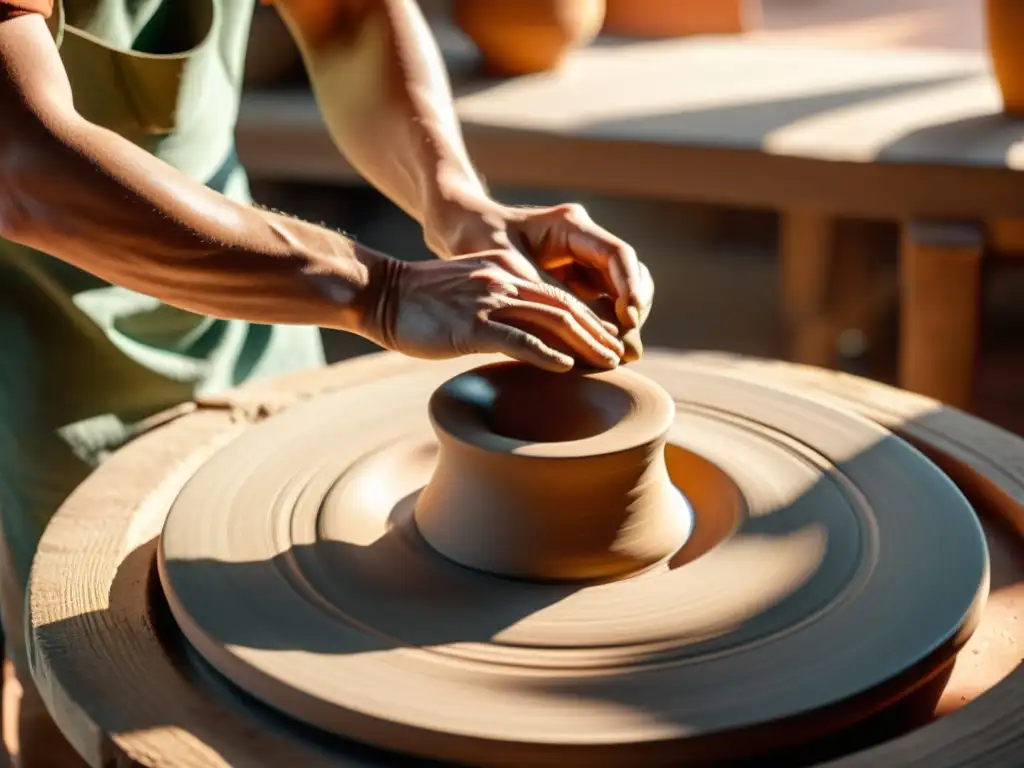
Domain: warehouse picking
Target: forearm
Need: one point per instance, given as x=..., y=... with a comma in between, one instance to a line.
x=89, y=197
x=384, y=94
x=94, y=200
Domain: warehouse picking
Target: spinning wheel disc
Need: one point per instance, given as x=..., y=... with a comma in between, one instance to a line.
x=831, y=568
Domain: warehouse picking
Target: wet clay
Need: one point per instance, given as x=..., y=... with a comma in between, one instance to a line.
x=830, y=567
x=551, y=476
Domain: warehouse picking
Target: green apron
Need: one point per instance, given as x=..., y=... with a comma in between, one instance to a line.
x=82, y=361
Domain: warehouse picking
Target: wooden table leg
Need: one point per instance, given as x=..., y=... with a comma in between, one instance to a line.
x=807, y=255
x=940, y=284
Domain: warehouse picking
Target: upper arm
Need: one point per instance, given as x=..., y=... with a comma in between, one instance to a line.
x=35, y=96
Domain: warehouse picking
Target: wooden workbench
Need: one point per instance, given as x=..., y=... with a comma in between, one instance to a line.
x=813, y=131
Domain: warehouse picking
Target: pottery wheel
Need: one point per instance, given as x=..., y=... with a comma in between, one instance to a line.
x=831, y=568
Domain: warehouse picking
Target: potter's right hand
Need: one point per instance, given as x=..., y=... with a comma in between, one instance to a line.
x=486, y=303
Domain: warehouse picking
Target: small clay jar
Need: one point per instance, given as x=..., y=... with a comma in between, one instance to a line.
x=521, y=37
x=1006, y=46
x=676, y=18
x=552, y=476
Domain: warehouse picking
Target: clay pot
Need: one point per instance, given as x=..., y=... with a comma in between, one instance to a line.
x=552, y=476
x=676, y=18
x=1005, y=36
x=519, y=37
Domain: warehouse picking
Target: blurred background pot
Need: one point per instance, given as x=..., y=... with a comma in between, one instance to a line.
x=1006, y=46
x=676, y=18
x=519, y=37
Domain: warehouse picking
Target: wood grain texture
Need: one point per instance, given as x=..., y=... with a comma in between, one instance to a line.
x=124, y=696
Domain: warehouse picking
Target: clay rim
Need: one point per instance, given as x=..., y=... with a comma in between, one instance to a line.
x=646, y=422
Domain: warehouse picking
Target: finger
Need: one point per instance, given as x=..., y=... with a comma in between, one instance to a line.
x=496, y=337
x=592, y=244
x=556, y=298
x=646, y=293
x=516, y=264
x=511, y=261
x=561, y=324
x=623, y=270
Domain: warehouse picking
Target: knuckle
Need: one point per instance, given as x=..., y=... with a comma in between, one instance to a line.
x=481, y=322
x=492, y=277
x=505, y=260
x=564, y=319
x=627, y=253
x=574, y=212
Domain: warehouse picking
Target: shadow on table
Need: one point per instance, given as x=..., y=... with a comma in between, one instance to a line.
x=749, y=124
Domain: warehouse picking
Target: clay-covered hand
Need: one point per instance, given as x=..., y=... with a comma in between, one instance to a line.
x=564, y=242
x=486, y=303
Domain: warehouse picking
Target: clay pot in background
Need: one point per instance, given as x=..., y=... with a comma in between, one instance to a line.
x=520, y=37
x=676, y=18
x=1006, y=45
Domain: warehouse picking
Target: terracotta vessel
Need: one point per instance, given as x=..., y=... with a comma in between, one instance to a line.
x=1005, y=37
x=676, y=18
x=519, y=37
x=552, y=476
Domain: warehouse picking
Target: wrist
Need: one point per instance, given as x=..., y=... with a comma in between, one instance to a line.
x=462, y=219
x=380, y=298
x=354, y=281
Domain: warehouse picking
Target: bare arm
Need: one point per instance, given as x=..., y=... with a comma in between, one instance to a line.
x=383, y=91
x=89, y=197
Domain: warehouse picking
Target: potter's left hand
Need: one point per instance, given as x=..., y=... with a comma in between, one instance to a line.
x=563, y=241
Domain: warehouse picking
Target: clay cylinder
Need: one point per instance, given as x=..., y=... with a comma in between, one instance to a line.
x=552, y=476
x=1005, y=37
x=521, y=37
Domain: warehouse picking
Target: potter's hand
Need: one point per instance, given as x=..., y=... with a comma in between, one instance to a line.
x=563, y=241
x=486, y=303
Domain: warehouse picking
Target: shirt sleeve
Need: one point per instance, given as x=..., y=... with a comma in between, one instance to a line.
x=11, y=8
